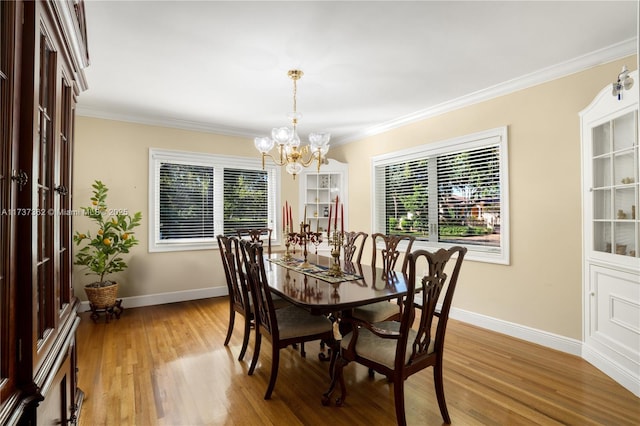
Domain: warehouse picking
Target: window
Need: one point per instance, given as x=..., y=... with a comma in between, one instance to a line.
x=453, y=192
x=194, y=197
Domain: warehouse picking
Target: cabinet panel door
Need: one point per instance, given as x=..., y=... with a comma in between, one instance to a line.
x=8, y=150
x=614, y=324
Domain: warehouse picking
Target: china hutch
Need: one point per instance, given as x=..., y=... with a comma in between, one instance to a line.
x=318, y=192
x=611, y=233
x=43, y=52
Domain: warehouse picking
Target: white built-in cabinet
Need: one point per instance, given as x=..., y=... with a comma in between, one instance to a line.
x=611, y=234
x=318, y=192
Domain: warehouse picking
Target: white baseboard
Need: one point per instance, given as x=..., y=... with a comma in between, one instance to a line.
x=544, y=338
x=162, y=298
x=607, y=366
x=627, y=379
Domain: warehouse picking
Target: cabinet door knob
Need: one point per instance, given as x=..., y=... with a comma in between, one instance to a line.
x=62, y=190
x=20, y=177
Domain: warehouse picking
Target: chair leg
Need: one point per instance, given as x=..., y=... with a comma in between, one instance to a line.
x=275, y=363
x=232, y=319
x=245, y=338
x=398, y=397
x=336, y=378
x=256, y=351
x=439, y=384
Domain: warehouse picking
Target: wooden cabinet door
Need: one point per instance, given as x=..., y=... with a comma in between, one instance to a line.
x=9, y=95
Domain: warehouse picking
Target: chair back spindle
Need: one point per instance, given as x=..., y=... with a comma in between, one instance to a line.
x=391, y=250
x=256, y=235
x=354, y=244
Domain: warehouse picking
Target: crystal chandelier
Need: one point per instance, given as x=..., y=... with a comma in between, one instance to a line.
x=289, y=152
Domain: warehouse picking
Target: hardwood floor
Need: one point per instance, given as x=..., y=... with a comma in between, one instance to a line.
x=166, y=365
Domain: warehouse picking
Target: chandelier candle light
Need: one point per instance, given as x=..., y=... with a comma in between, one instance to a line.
x=289, y=151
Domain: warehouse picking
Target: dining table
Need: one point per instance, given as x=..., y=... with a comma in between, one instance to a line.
x=312, y=287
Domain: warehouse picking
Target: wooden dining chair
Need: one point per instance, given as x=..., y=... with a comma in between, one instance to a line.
x=395, y=348
x=390, y=253
x=354, y=246
x=283, y=327
x=239, y=299
x=256, y=235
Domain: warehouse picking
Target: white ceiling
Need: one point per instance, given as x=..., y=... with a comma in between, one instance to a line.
x=221, y=66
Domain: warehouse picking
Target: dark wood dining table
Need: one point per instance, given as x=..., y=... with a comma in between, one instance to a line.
x=362, y=284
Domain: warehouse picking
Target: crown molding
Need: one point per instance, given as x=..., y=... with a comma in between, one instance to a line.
x=197, y=126
x=581, y=63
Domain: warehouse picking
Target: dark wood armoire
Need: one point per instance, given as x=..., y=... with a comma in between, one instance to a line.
x=43, y=51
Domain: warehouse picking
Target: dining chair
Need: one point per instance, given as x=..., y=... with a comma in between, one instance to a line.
x=239, y=299
x=283, y=327
x=396, y=348
x=354, y=245
x=256, y=235
x=390, y=253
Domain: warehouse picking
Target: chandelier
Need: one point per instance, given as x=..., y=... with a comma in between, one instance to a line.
x=289, y=153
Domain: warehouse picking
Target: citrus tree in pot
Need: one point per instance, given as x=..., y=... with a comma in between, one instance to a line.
x=102, y=251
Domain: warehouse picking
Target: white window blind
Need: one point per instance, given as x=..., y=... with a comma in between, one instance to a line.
x=469, y=197
x=246, y=203
x=453, y=192
x=194, y=197
x=186, y=202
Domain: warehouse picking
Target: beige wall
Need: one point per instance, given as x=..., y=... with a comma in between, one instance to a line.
x=541, y=288
x=118, y=154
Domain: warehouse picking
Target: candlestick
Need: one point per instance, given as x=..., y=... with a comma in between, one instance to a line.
x=290, y=219
x=286, y=217
x=341, y=217
x=329, y=225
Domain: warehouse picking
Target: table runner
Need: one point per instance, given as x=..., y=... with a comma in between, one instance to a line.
x=316, y=271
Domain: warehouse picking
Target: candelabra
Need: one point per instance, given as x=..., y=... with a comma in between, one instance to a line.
x=335, y=242
x=301, y=239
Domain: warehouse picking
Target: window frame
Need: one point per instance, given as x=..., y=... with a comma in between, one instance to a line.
x=492, y=137
x=218, y=163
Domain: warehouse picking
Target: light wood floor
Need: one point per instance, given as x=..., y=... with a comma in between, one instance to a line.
x=166, y=365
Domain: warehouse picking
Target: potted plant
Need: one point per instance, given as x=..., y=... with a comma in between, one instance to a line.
x=101, y=255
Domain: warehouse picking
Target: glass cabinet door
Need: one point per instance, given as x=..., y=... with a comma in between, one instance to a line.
x=615, y=186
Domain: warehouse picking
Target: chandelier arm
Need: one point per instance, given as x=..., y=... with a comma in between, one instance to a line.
x=277, y=162
x=307, y=162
